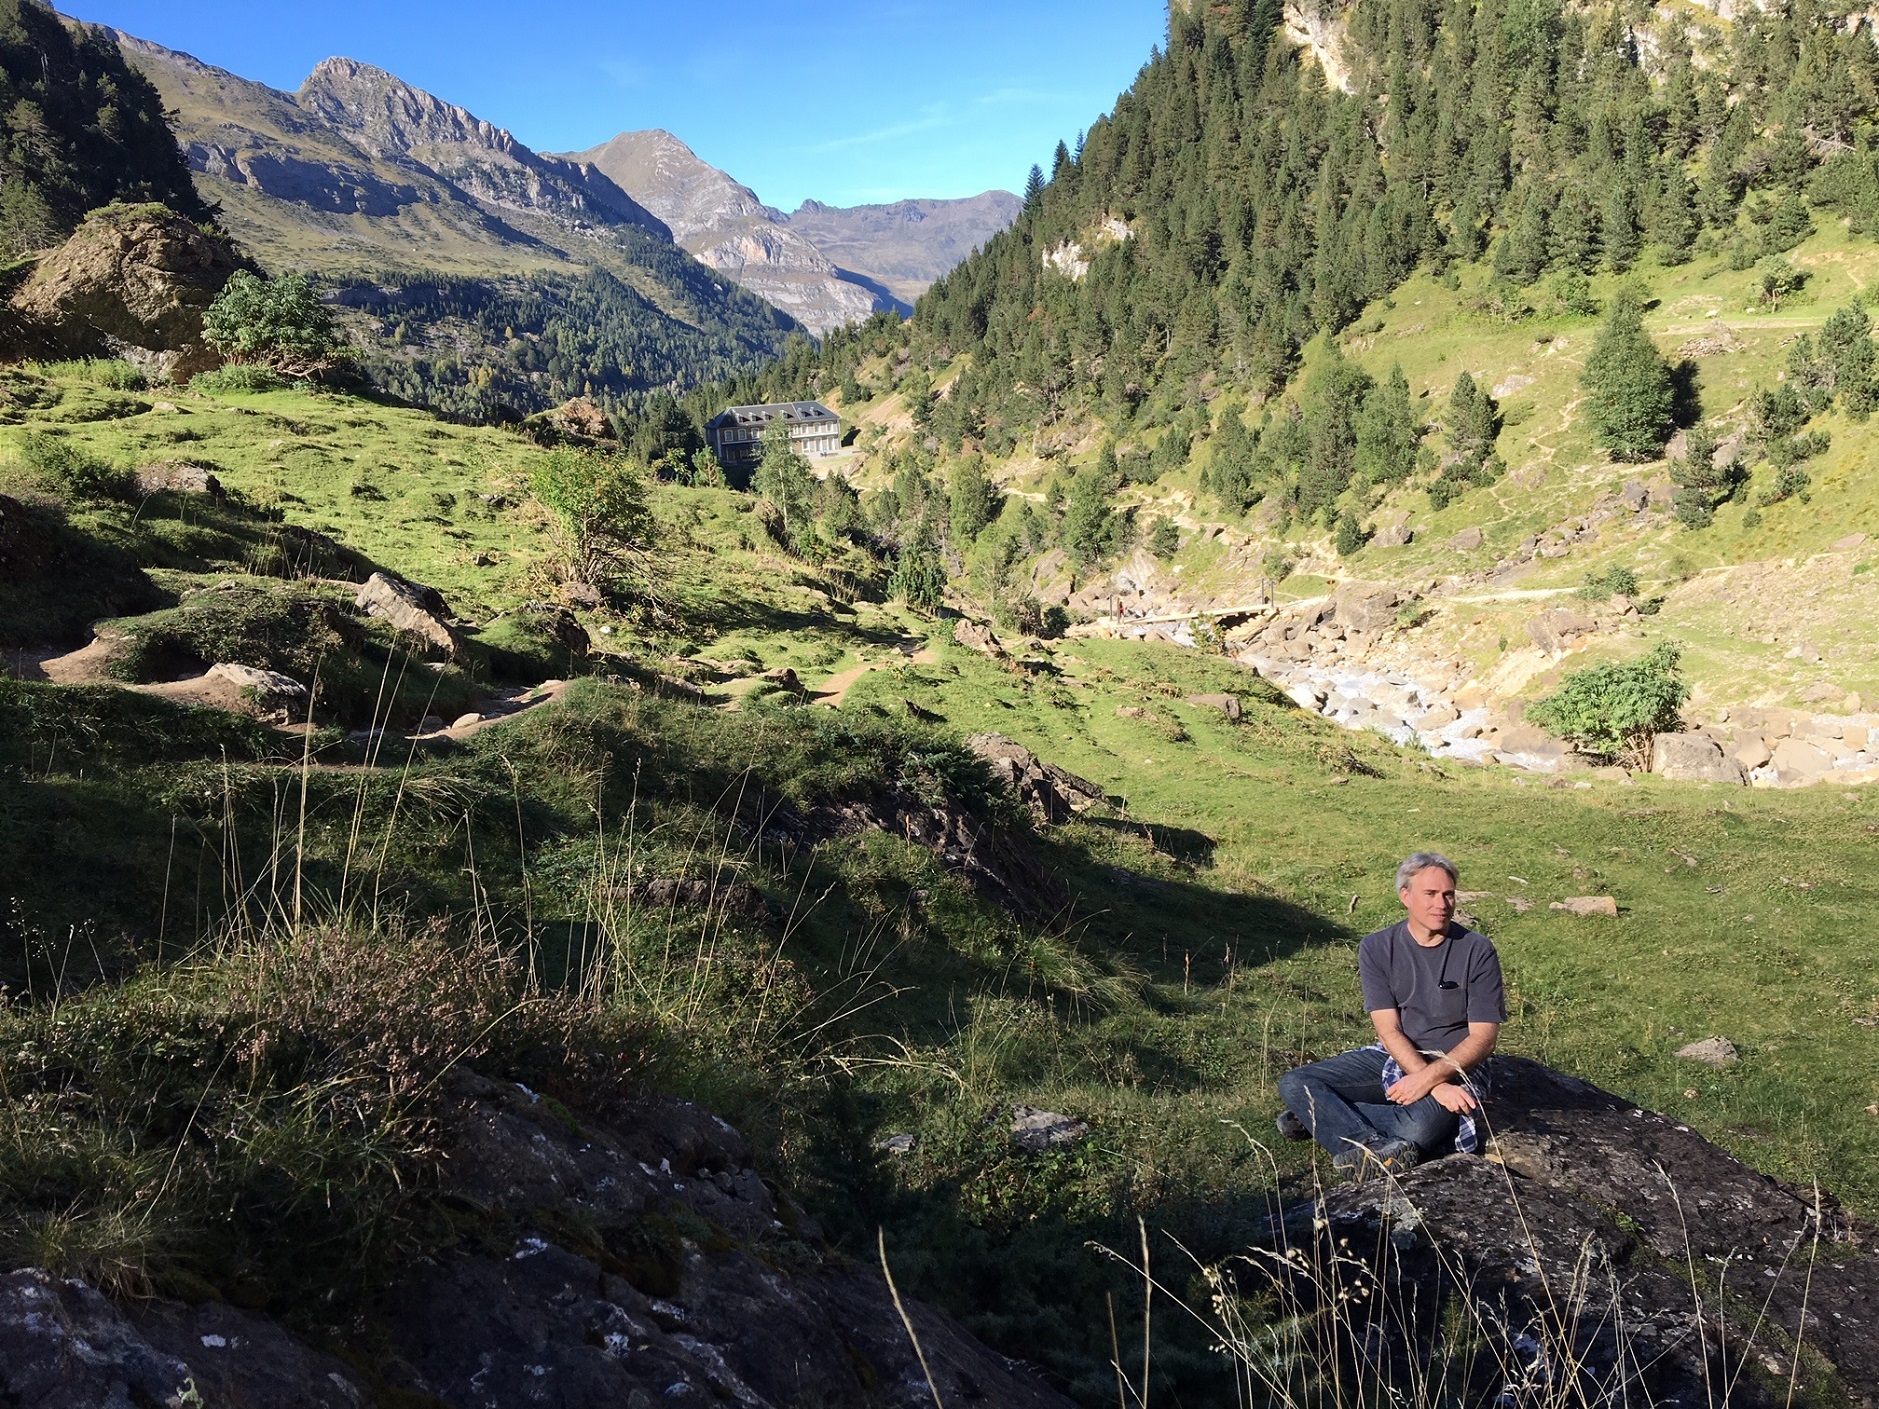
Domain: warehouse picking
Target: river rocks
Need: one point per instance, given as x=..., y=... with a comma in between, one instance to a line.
x=1587, y=905
x=1036, y=1131
x=412, y=609
x=1367, y=607
x=975, y=636
x=1582, y=1190
x=1694, y=758
x=1554, y=630
x=1052, y=793
x=1711, y=1052
x=1795, y=760
x=1229, y=705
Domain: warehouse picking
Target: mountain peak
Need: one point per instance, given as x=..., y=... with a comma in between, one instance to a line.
x=392, y=114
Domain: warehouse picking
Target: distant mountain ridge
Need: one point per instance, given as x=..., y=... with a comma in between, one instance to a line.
x=825, y=265
x=906, y=245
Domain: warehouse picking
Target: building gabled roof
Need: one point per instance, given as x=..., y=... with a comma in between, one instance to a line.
x=792, y=411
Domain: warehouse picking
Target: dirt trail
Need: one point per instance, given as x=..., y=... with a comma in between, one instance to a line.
x=834, y=690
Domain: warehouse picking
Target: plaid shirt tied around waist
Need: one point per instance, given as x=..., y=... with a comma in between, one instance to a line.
x=1475, y=1083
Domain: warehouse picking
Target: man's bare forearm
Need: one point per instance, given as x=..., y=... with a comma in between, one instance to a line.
x=1468, y=1054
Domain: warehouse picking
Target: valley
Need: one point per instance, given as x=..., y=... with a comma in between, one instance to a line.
x=497, y=906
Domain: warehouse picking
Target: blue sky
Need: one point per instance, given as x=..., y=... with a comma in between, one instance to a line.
x=896, y=98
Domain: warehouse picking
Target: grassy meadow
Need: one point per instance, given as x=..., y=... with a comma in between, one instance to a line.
x=171, y=868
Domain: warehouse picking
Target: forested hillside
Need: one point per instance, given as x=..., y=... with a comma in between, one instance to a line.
x=80, y=129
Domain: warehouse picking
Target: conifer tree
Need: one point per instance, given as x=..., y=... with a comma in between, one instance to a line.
x=1628, y=385
x=783, y=478
x=974, y=500
x=1387, y=431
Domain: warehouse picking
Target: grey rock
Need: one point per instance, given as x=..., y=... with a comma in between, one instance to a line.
x=1366, y=607
x=1229, y=705
x=1579, y=1192
x=1036, y=1131
x=178, y=477
x=897, y=1145
x=1052, y=793
x=273, y=691
x=1587, y=905
x=1711, y=1052
x=1694, y=758
x=411, y=609
x=1466, y=541
x=975, y=636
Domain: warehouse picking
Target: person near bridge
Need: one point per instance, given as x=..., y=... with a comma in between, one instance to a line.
x=1433, y=990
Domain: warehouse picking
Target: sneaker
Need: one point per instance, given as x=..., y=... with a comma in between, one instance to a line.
x=1388, y=1157
x=1291, y=1127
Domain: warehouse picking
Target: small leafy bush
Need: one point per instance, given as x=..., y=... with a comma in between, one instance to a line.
x=1790, y=481
x=279, y=324
x=1612, y=582
x=73, y=468
x=1612, y=712
x=237, y=379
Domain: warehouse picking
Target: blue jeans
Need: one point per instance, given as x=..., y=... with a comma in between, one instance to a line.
x=1341, y=1100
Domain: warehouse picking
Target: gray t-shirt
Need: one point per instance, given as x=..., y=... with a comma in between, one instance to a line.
x=1399, y=973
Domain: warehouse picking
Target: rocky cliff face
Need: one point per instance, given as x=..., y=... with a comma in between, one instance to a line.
x=724, y=225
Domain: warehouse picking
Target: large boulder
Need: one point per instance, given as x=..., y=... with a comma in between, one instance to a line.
x=132, y=282
x=1366, y=606
x=1552, y=631
x=1576, y=1243
x=412, y=610
x=1694, y=758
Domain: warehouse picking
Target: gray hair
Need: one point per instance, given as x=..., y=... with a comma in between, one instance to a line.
x=1420, y=861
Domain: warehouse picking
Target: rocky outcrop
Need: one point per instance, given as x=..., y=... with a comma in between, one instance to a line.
x=1611, y=1243
x=637, y=1260
x=904, y=246
x=1052, y=793
x=131, y=282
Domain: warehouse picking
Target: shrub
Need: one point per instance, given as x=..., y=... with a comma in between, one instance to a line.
x=1350, y=535
x=73, y=468
x=236, y=380
x=1164, y=540
x=599, y=503
x=1612, y=712
x=1789, y=481
x=1613, y=581
x=279, y=324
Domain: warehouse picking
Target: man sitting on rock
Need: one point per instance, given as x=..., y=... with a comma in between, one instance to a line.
x=1433, y=991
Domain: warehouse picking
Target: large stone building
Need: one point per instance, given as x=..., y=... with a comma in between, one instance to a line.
x=735, y=434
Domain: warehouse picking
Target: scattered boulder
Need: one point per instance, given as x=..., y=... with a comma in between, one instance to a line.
x=178, y=477
x=1366, y=607
x=1587, y=905
x=578, y=421
x=1694, y=758
x=1052, y=793
x=975, y=636
x=1395, y=534
x=1711, y=1052
x=279, y=697
x=1466, y=541
x=1229, y=705
x=784, y=679
x=1636, y=496
x=897, y=1145
x=1553, y=630
x=412, y=609
x=1752, y=753
x=1036, y=1131
x=133, y=281
x=464, y=721
x=1848, y=543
